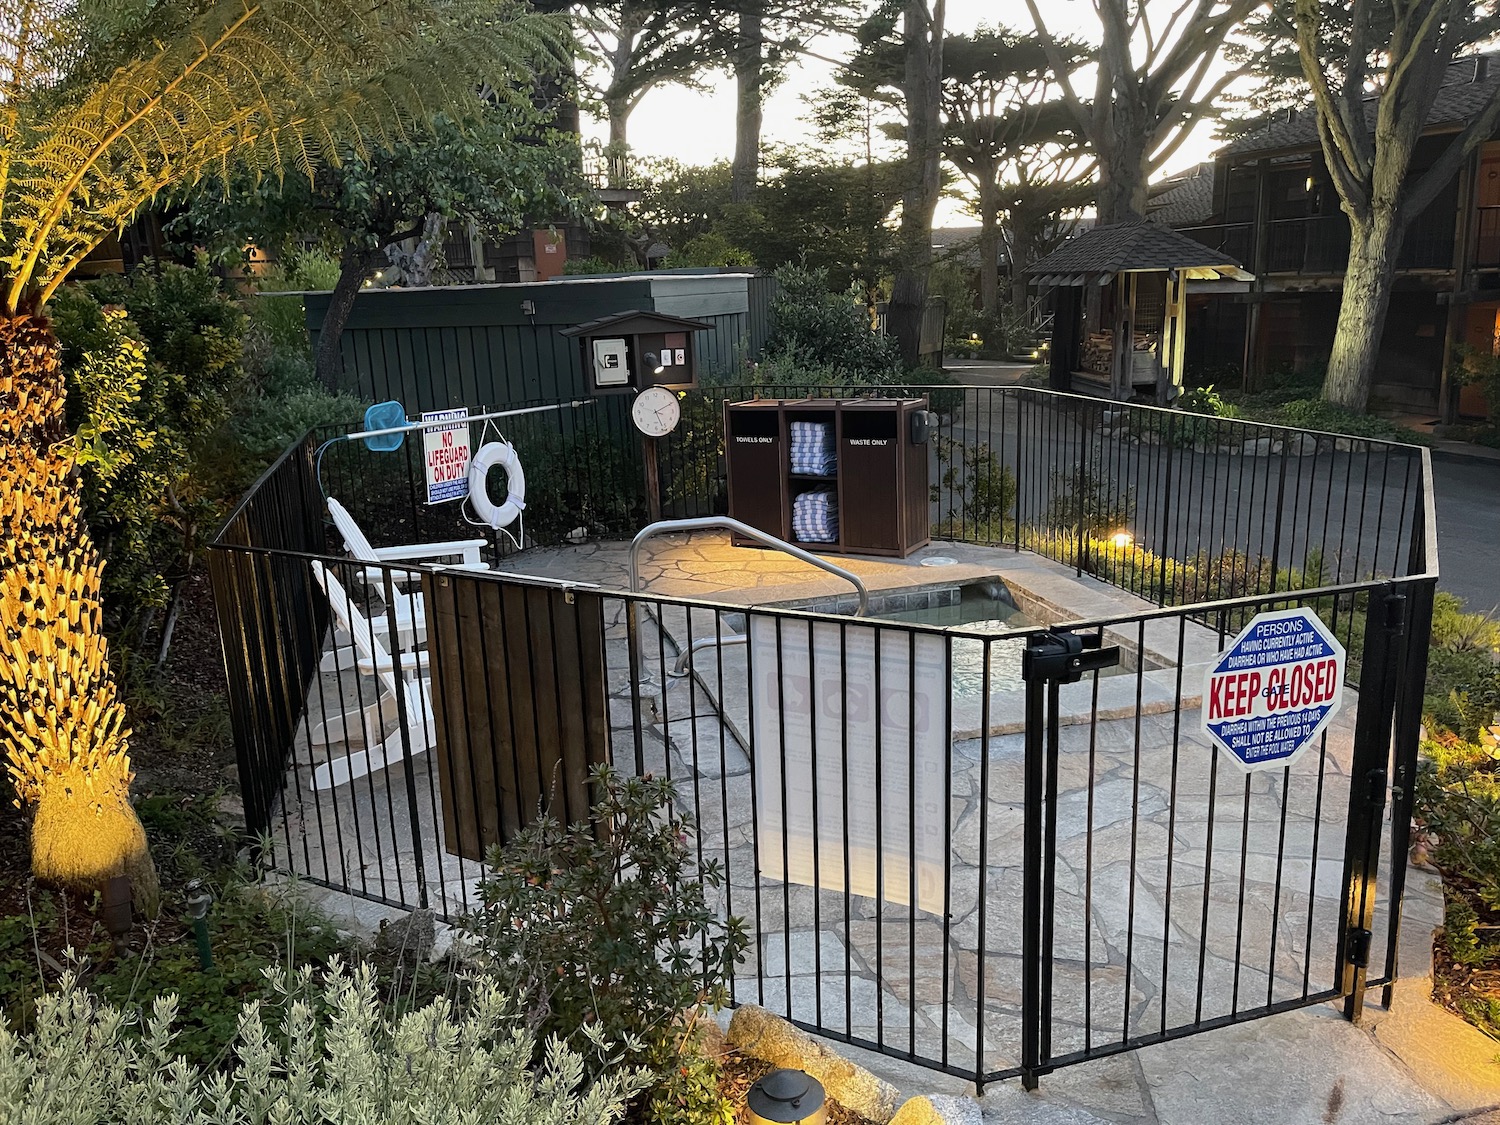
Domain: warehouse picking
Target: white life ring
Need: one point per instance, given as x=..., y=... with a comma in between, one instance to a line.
x=500, y=453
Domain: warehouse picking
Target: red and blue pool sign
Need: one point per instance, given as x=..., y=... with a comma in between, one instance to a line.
x=1270, y=693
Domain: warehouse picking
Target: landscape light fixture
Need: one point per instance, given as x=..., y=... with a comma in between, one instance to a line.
x=653, y=361
x=1121, y=539
x=786, y=1097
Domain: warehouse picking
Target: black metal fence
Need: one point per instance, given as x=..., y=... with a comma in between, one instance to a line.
x=946, y=846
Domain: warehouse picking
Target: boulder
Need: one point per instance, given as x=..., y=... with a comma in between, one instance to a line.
x=759, y=1034
x=939, y=1109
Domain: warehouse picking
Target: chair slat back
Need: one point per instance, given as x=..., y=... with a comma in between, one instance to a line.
x=357, y=625
x=354, y=538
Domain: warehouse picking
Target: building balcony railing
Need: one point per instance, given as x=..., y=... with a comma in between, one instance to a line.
x=1487, y=238
x=1319, y=244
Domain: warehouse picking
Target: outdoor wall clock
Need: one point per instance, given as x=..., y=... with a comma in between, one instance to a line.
x=656, y=412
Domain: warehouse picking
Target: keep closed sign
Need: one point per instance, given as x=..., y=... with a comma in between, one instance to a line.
x=1274, y=689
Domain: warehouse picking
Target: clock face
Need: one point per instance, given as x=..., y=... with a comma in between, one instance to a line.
x=656, y=412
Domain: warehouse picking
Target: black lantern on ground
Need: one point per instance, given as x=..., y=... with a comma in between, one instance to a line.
x=786, y=1097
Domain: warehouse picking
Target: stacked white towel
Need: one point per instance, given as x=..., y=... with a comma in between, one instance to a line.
x=813, y=450
x=815, y=517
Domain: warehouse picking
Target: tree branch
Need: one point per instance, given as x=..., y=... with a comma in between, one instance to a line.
x=1435, y=179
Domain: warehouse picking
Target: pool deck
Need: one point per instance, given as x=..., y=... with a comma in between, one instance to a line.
x=706, y=565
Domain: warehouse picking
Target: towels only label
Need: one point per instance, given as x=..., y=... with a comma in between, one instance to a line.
x=756, y=440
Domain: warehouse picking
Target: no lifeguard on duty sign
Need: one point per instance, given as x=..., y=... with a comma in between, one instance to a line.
x=1270, y=694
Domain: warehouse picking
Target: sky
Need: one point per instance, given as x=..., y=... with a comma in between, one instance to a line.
x=698, y=128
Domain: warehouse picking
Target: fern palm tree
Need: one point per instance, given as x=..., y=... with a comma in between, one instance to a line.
x=104, y=104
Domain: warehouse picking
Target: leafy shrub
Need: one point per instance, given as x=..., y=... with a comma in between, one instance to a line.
x=281, y=321
x=984, y=489
x=1088, y=497
x=327, y=1052
x=583, y=267
x=251, y=933
x=827, y=331
x=606, y=925
x=1315, y=414
x=153, y=364
x=1206, y=400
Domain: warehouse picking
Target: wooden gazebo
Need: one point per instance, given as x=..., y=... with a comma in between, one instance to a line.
x=1120, y=307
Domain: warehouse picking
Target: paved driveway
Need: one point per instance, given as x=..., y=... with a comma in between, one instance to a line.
x=1468, y=510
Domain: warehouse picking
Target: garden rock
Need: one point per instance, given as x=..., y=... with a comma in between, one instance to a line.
x=408, y=941
x=1259, y=447
x=939, y=1109
x=758, y=1034
x=1302, y=445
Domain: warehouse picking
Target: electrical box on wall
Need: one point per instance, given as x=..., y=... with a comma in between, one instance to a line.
x=630, y=351
x=611, y=362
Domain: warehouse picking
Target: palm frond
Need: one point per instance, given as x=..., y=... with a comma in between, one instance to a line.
x=275, y=85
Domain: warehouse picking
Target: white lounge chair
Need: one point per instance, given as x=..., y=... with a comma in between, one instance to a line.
x=404, y=685
x=407, y=609
x=464, y=552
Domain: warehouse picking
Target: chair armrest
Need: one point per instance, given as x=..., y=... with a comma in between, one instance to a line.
x=410, y=662
x=375, y=576
x=468, y=548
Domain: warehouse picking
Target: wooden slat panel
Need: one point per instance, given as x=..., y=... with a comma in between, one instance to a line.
x=519, y=695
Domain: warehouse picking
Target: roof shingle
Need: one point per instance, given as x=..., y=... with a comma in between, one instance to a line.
x=1129, y=246
x=1460, y=98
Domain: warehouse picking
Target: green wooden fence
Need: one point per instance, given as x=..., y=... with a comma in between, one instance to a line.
x=489, y=345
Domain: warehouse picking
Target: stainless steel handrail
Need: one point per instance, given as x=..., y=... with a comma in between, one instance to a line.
x=724, y=523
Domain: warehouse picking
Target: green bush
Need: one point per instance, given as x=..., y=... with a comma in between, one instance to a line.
x=606, y=925
x=153, y=366
x=250, y=932
x=986, y=492
x=325, y=1049
x=826, y=332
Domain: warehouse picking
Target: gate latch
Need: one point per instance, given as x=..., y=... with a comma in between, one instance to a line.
x=1066, y=657
x=1358, y=950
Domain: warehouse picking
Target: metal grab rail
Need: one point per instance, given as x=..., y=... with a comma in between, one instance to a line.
x=724, y=523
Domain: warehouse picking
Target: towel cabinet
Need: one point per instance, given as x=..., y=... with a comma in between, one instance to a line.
x=880, y=471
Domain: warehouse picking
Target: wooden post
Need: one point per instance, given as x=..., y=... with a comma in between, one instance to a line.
x=653, y=479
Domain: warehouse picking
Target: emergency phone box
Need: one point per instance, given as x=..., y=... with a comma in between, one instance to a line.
x=629, y=351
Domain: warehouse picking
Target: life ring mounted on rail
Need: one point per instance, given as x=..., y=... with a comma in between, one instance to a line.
x=490, y=454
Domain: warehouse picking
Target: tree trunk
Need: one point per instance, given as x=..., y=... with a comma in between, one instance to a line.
x=618, y=112
x=355, y=264
x=922, y=36
x=1022, y=239
x=61, y=718
x=749, y=77
x=1124, y=169
x=1374, y=245
x=989, y=245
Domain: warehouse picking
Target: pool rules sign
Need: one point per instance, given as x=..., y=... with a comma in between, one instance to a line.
x=445, y=452
x=1272, y=691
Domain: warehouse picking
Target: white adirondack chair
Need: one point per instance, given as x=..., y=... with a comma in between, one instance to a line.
x=405, y=680
x=464, y=551
x=406, y=607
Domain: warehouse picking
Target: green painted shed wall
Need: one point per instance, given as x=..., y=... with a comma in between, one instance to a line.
x=473, y=345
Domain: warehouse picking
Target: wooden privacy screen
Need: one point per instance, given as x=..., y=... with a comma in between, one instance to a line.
x=519, y=697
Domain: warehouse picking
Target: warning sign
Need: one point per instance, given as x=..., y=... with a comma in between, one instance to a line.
x=1270, y=693
x=446, y=454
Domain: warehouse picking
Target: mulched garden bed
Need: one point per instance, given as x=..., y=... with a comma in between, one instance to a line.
x=1469, y=989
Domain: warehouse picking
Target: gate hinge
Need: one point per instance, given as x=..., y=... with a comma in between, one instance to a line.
x=1358, y=948
x=1395, y=614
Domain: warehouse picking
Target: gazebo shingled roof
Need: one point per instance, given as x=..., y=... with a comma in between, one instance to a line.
x=1129, y=247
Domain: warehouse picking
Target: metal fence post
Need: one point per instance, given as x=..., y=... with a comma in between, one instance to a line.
x=1408, y=722
x=1385, y=618
x=1048, y=661
x=1031, y=872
